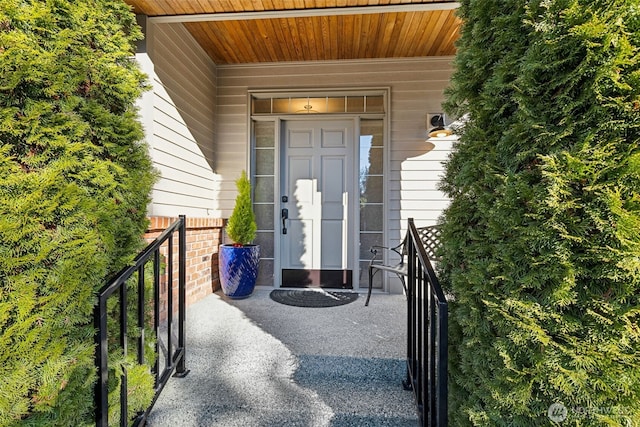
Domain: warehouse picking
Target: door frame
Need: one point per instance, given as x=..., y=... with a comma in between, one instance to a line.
x=279, y=119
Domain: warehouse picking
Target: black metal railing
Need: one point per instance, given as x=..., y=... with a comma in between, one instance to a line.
x=153, y=271
x=426, y=335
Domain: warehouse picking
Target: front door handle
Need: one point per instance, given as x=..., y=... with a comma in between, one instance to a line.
x=285, y=215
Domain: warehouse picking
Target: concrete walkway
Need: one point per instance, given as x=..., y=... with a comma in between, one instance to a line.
x=257, y=363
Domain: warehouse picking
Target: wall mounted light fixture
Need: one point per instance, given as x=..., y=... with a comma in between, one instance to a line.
x=438, y=127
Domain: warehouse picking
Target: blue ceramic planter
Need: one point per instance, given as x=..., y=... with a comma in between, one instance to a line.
x=238, y=269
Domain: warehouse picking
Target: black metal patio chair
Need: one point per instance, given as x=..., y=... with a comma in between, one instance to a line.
x=430, y=237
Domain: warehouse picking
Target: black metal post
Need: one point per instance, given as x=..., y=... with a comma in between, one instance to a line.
x=443, y=357
x=141, y=310
x=156, y=313
x=181, y=370
x=102, y=356
x=123, y=344
x=169, y=361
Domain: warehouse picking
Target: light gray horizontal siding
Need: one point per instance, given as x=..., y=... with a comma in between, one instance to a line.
x=183, y=124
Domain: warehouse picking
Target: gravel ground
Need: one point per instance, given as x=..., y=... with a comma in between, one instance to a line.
x=258, y=363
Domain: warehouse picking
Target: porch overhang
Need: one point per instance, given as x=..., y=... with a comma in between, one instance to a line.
x=260, y=31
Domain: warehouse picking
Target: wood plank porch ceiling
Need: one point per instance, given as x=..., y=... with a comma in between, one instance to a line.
x=254, y=31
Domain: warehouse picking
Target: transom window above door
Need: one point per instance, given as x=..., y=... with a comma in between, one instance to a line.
x=317, y=104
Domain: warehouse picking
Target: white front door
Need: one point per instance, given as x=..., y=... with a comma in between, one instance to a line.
x=317, y=203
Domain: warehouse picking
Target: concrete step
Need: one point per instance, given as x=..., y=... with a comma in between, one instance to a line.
x=359, y=391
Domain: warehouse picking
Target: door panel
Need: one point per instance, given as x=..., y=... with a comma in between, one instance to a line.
x=300, y=138
x=333, y=213
x=334, y=138
x=299, y=256
x=302, y=190
x=318, y=181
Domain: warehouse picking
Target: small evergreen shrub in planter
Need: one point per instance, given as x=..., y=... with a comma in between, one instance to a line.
x=238, y=262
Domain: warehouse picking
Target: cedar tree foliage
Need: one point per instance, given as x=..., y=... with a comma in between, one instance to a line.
x=242, y=227
x=74, y=184
x=542, y=236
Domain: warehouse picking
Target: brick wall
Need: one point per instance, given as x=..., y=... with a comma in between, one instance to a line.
x=203, y=238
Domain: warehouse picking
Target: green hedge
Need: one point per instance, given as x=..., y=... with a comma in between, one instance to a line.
x=542, y=237
x=74, y=185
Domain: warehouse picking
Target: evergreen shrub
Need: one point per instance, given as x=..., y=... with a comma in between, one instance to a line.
x=242, y=226
x=74, y=185
x=542, y=237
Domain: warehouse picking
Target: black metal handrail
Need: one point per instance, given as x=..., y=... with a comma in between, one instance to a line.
x=426, y=335
x=174, y=359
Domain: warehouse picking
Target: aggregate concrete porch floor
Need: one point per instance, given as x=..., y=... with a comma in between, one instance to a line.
x=258, y=363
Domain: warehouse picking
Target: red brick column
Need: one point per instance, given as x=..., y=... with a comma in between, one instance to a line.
x=203, y=239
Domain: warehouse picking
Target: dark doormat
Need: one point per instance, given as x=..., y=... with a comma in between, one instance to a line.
x=312, y=297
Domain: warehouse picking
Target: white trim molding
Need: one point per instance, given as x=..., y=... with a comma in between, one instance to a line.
x=305, y=13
